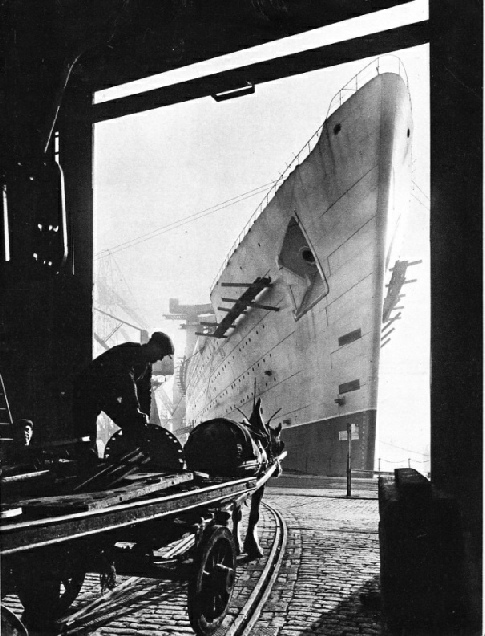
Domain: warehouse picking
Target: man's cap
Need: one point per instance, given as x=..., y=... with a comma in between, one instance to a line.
x=163, y=341
x=21, y=423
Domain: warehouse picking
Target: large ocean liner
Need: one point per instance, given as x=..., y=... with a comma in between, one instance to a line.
x=304, y=298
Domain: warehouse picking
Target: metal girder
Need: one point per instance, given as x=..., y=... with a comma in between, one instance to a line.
x=160, y=35
x=261, y=72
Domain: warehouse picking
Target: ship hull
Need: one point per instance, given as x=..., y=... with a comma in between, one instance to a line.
x=309, y=345
x=320, y=448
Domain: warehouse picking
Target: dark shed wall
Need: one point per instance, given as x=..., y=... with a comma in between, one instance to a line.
x=456, y=267
x=48, y=317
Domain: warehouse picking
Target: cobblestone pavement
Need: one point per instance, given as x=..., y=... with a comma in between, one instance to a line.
x=332, y=556
x=157, y=607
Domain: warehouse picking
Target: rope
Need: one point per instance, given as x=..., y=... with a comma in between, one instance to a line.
x=184, y=221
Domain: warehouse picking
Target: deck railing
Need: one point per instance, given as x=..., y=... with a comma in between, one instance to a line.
x=383, y=64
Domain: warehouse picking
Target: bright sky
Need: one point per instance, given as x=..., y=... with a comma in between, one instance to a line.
x=156, y=171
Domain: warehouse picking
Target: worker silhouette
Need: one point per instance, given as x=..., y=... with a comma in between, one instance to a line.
x=118, y=383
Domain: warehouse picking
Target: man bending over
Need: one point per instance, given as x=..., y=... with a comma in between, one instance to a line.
x=117, y=382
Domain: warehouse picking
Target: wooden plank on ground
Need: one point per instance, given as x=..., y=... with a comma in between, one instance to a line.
x=80, y=502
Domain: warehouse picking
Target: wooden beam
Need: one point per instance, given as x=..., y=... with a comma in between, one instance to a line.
x=70, y=503
x=241, y=305
x=387, y=333
x=230, y=309
x=286, y=66
x=208, y=335
x=248, y=304
x=268, y=307
x=391, y=320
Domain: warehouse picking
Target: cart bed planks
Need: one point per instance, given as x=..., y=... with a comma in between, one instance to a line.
x=19, y=536
x=81, y=502
x=45, y=559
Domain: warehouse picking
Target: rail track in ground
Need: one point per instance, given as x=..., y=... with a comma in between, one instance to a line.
x=249, y=615
x=156, y=603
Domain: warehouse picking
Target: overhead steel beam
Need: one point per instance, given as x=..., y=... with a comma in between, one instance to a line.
x=267, y=71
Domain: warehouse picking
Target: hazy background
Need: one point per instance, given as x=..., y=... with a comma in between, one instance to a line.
x=175, y=186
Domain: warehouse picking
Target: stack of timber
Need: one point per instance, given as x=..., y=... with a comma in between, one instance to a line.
x=145, y=484
x=82, y=484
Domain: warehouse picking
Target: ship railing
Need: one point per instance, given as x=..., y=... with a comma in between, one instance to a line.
x=297, y=159
x=383, y=64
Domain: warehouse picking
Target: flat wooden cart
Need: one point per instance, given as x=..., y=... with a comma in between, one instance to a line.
x=49, y=546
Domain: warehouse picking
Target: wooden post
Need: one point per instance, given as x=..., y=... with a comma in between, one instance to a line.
x=349, y=460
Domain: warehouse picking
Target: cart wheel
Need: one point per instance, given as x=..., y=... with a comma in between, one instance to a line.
x=46, y=598
x=210, y=590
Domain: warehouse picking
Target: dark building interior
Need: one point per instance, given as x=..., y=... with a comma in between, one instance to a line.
x=56, y=55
